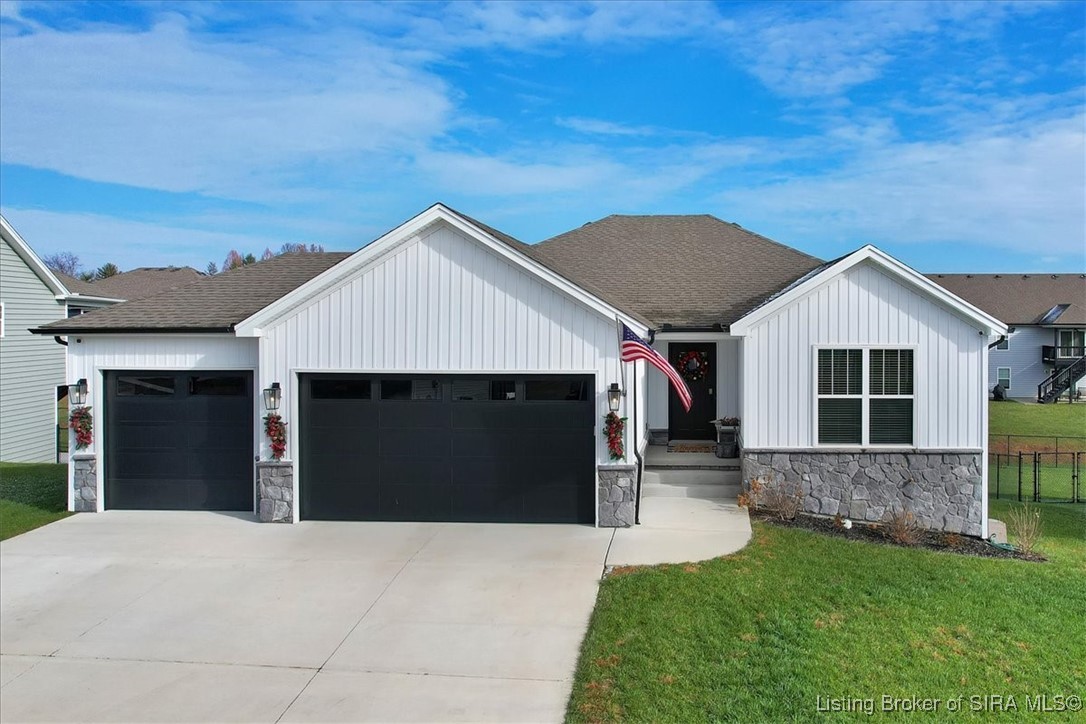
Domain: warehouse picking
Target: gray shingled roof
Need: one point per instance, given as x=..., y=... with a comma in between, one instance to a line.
x=687, y=271
x=1021, y=298
x=210, y=304
x=78, y=286
x=145, y=281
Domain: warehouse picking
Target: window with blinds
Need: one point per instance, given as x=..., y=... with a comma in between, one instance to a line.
x=880, y=413
x=840, y=390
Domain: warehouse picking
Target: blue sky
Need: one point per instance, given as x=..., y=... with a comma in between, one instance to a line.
x=949, y=134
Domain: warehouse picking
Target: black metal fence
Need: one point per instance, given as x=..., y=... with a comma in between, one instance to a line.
x=1048, y=477
x=1014, y=444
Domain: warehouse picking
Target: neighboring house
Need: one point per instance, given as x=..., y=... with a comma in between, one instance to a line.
x=447, y=371
x=129, y=285
x=32, y=368
x=1042, y=356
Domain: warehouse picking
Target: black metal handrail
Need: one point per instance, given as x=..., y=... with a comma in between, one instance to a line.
x=1060, y=380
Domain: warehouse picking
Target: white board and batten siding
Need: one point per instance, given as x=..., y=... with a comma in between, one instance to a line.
x=440, y=303
x=860, y=307
x=31, y=366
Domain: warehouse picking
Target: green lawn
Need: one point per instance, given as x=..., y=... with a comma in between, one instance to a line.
x=1057, y=420
x=759, y=635
x=31, y=495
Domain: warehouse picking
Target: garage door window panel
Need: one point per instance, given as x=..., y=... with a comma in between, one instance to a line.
x=556, y=390
x=414, y=390
x=145, y=386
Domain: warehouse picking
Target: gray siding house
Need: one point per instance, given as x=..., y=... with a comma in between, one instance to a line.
x=31, y=366
x=1046, y=314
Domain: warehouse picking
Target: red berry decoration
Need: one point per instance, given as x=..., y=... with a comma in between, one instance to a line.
x=614, y=427
x=276, y=430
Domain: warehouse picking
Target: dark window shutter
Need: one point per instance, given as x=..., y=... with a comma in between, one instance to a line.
x=839, y=421
x=891, y=422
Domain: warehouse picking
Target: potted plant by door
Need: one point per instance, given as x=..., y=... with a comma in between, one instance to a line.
x=727, y=437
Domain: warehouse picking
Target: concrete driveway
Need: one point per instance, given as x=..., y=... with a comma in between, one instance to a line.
x=203, y=616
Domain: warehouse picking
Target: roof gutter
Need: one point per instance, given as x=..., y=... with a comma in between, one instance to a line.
x=130, y=330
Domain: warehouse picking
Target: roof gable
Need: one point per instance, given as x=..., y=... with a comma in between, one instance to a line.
x=503, y=245
x=36, y=265
x=686, y=271
x=888, y=265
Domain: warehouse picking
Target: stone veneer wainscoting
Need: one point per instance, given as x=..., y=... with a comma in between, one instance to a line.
x=84, y=482
x=943, y=489
x=618, y=496
x=275, y=491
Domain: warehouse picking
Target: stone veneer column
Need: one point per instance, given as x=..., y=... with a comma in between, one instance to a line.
x=275, y=491
x=618, y=496
x=84, y=482
x=944, y=489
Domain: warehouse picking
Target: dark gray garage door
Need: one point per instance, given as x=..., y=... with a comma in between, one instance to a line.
x=179, y=440
x=486, y=449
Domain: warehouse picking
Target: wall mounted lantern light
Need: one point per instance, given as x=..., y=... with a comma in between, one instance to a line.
x=77, y=393
x=614, y=397
x=272, y=396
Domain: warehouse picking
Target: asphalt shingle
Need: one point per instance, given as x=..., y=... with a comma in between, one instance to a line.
x=1021, y=298
x=687, y=271
x=213, y=303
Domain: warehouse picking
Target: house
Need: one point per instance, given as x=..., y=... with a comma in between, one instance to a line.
x=126, y=286
x=1044, y=352
x=32, y=368
x=447, y=371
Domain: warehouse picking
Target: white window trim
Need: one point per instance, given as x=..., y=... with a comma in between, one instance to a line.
x=1060, y=346
x=999, y=377
x=865, y=398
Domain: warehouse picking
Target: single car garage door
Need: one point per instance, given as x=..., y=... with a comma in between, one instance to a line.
x=448, y=448
x=179, y=440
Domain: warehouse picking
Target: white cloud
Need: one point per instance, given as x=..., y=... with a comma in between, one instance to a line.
x=168, y=110
x=1021, y=192
x=97, y=239
x=595, y=126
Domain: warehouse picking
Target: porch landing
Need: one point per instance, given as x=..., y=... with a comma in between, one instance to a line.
x=681, y=530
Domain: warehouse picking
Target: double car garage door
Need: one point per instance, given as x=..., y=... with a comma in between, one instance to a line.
x=389, y=447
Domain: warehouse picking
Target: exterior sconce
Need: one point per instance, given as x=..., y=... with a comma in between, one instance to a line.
x=77, y=393
x=272, y=397
x=614, y=397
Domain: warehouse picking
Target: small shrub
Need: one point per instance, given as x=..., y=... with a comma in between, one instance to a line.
x=903, y=529
x=838, y=522
x=1024, y=525
x=953, y=541
x=781, y=498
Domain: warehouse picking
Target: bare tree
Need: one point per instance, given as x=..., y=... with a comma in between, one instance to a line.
x=64, y=262
x=300, y=248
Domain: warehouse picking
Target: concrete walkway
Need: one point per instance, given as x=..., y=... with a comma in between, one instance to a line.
x=680, y=530
x=143, y=616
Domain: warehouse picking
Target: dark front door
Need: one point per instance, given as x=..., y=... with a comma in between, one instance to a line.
x=179, y=440
x=448, y=448
x=696, y=424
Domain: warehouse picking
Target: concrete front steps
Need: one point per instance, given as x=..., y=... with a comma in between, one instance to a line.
x=689, y=475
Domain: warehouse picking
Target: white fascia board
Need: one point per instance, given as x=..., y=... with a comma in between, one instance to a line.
x=988, y=324
x=36, y=265
x=77, y=297
x=374, y=251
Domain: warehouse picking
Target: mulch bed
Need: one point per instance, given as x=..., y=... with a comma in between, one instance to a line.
x=932, y=540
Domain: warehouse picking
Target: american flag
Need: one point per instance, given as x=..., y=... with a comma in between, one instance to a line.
x=635, y=348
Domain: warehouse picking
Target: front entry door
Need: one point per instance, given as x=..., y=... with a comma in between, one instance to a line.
x=696, y=424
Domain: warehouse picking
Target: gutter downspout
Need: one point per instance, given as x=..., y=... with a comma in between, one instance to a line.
x=58, y=340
